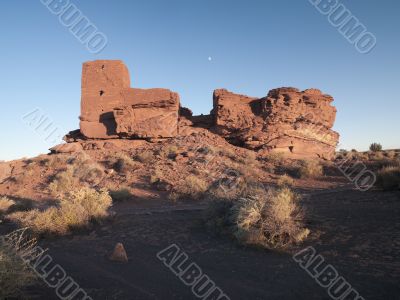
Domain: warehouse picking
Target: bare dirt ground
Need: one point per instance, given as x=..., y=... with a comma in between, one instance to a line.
x=357, y=232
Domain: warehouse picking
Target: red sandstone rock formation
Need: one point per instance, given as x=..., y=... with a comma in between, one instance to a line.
x=102, y=84
x=286, y=120
x=149, y=113
x=110, y=108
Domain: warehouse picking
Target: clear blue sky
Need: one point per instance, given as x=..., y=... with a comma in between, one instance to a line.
x=254, y=46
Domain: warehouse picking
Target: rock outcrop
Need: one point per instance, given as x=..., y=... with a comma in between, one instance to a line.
x=286, y=120
x=149, y=113
x=103, y=83
x=111, y=109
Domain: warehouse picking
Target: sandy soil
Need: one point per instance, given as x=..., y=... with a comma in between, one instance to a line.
x=357, y=232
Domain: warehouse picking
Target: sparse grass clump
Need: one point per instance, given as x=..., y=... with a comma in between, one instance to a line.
x=388, y=178
x=15, y=275
x=76, y=210
x=228, y=152
x=285, y=181
x=273, y=220
x=156, y=175
x=123, y=163
x=390, y=154
x=5, y=204
x=275, y=158
x=63, y=181
x=250, y=159
x=145, y=156
x=81, y=170
x=170, y=151
x=192, y=187
x=54, y=161
x=309, y=169
x=376, y=155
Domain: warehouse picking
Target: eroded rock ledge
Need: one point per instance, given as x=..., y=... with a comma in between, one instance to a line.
x=286, y=120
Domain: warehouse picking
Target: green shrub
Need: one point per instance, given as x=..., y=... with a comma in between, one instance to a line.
x=375, y=147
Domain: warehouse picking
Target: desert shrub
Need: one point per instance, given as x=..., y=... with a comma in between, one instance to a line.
x=145, y=156
x=272, y=221
x=235, y=186
x=192, y=187
x=205, y=150
x=309, y=169
x=63, y=181
x=390, y=154
x=53, y=161
x=377, y=155
x=85, y=169
x=285, y=180
x=275, y=158
x=15, y=274
x=76, y=210
x=359, y=155
x=95, y=203
x=156, y=176
x=123, y=163
x=30, y=166
x=250, y=159
x=91, y=174
x=121, y=195
x=5, y=204
x=388, y=178
x=228, y=152
x=81, y=169
x=375, y=147
x=170, y=151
